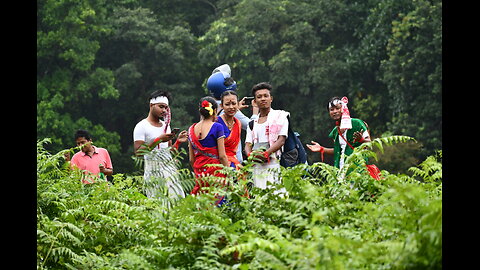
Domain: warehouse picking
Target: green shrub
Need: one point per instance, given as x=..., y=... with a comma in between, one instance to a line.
x=329, y=219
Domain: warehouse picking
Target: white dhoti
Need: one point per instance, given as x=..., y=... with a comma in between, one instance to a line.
x=266, y=174
x=160, y=172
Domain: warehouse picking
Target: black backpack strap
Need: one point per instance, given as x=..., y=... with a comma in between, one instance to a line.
x=250, y=124
x=289, y=124
x=289, y=132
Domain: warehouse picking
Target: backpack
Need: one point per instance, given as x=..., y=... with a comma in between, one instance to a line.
x=293, y=151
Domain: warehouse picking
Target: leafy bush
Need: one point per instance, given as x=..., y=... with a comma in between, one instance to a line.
x=327, y=219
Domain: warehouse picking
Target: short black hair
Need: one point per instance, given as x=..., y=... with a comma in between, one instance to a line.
x=262, y=85
x=83, y=133
x=158, y=93
x=228, y=93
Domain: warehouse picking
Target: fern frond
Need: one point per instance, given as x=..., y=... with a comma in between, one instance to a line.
x=108, y=205
x=130, y=260
x=64, y=253
x=263, y=260
x=155, y=254
x=252, y=244
x=74, y=229
x=389, y=140
x=326, y=171
x=48, y=165
x=73, y=214
x=430, y=170
x=209, y=257
x=75, y=241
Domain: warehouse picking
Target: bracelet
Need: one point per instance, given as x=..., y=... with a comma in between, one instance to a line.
x=322, y=149
x=266, y=154
x=176, y=144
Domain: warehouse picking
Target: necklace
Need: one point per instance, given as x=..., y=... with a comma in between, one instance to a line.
x=229, y=125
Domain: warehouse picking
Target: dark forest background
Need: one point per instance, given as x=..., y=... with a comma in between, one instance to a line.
x=98, y=60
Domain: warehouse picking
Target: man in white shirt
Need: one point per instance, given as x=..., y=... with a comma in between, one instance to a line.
x=153, y=131
x=267, y=137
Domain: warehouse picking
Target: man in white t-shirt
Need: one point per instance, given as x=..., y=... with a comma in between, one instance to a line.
x=267, y=137
x=153, y=131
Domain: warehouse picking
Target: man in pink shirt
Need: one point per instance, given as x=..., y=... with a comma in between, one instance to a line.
x=91, y=160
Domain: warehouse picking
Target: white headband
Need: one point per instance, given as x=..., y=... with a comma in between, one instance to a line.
x=159, y=99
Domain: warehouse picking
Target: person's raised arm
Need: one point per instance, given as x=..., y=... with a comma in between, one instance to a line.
x=242, y=117
x=166, y=137
x=316, y=147
x=361, y=136
x=181, y=138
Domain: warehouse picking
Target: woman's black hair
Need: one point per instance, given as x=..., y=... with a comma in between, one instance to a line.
x=83, y=133
x=262, y=85
x=228, y=93
x=330, y=103
x=204, y=112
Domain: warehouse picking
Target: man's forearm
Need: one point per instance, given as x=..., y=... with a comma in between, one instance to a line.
x=248, y=148
x=108, y=172
x=328, y=150
x=277, y=145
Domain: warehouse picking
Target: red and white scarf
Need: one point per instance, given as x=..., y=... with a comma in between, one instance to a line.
x=275, y=121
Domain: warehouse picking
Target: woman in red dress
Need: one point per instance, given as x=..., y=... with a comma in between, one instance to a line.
x=206, y=144
x=231, y=126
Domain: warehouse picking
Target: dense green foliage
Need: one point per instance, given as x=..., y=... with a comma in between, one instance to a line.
x=98, y=60
x=328, y=220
